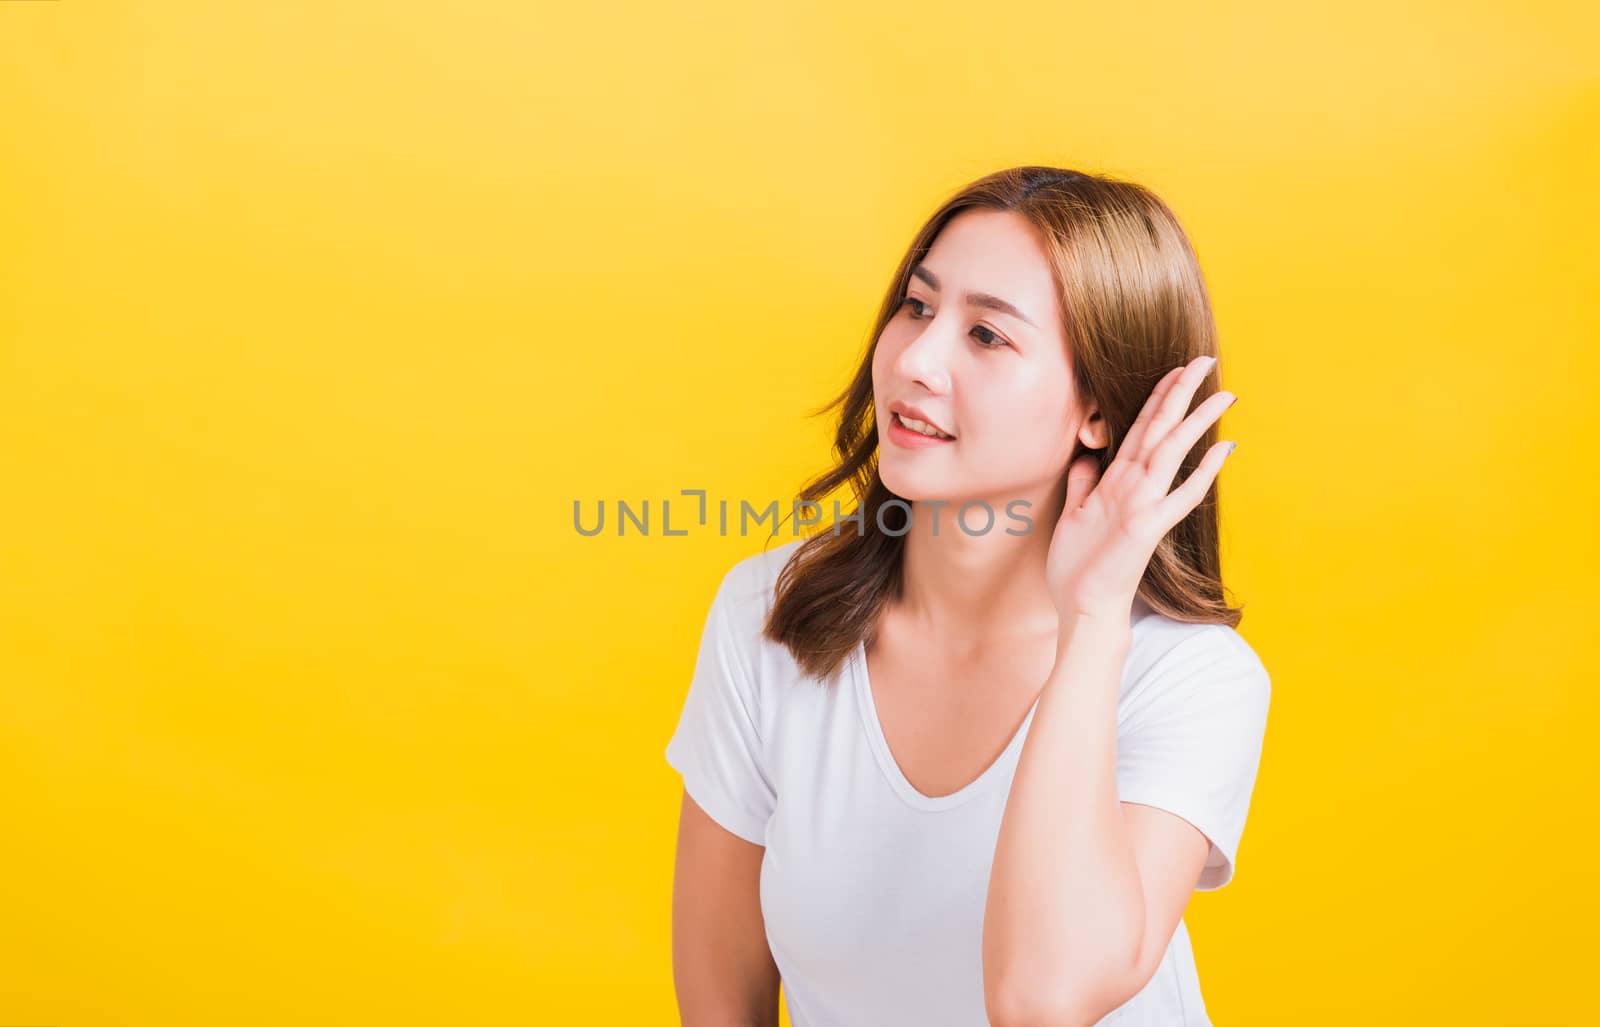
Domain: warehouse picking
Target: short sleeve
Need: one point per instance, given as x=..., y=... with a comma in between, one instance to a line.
x=1191, y=741
x=717, y=745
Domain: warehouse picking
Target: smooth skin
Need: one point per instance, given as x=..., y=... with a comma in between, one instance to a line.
x=722, y=967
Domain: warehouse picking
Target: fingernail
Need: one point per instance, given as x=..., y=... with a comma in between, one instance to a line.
x=1231, y=447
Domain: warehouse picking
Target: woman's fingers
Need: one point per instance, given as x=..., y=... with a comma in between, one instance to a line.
x=1136, y=431
x=1168, y=454
x=1082, y=477
x=1174, y=405
x=1166, y=406
x=1187, y=496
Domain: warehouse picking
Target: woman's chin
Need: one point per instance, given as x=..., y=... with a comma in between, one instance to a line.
x=909, y=485
x=914, y=488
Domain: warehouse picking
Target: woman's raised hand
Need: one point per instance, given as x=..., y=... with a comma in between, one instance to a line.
x=1112, y=522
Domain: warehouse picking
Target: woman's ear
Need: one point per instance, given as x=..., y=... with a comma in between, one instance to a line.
x=1092, y=433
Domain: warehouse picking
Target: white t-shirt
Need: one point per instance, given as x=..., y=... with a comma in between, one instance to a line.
x=872, y=892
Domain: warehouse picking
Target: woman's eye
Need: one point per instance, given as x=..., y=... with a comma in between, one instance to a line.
x=988, y=339
x=914, y=303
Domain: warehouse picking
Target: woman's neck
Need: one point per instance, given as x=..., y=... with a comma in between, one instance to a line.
x=971, y=589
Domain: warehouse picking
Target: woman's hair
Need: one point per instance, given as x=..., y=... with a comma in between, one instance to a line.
x=1134, y=305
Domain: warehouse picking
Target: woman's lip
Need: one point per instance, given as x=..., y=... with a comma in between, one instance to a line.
x=905, y=410
x=905, y=437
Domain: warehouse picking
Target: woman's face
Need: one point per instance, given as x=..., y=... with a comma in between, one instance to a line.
x=998, y=380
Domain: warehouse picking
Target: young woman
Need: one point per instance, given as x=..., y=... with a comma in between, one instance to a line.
x=963, y=758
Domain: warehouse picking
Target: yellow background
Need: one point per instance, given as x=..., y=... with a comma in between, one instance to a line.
x=315, y=319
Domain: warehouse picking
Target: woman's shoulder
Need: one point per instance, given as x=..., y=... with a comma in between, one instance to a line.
x=743, y=600
x=1166, y=649
x=748, y=584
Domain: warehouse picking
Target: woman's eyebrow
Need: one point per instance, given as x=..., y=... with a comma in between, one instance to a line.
x=973, y=299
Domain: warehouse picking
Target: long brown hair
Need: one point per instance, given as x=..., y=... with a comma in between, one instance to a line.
x=1135, y=306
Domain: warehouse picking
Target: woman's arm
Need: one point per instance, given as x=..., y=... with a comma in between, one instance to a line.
x=722, y=967
x=1085, y=891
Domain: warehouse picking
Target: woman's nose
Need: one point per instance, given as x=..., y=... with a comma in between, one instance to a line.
x=926, y=360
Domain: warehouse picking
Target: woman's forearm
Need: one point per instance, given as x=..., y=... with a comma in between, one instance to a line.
x=1065, y=909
